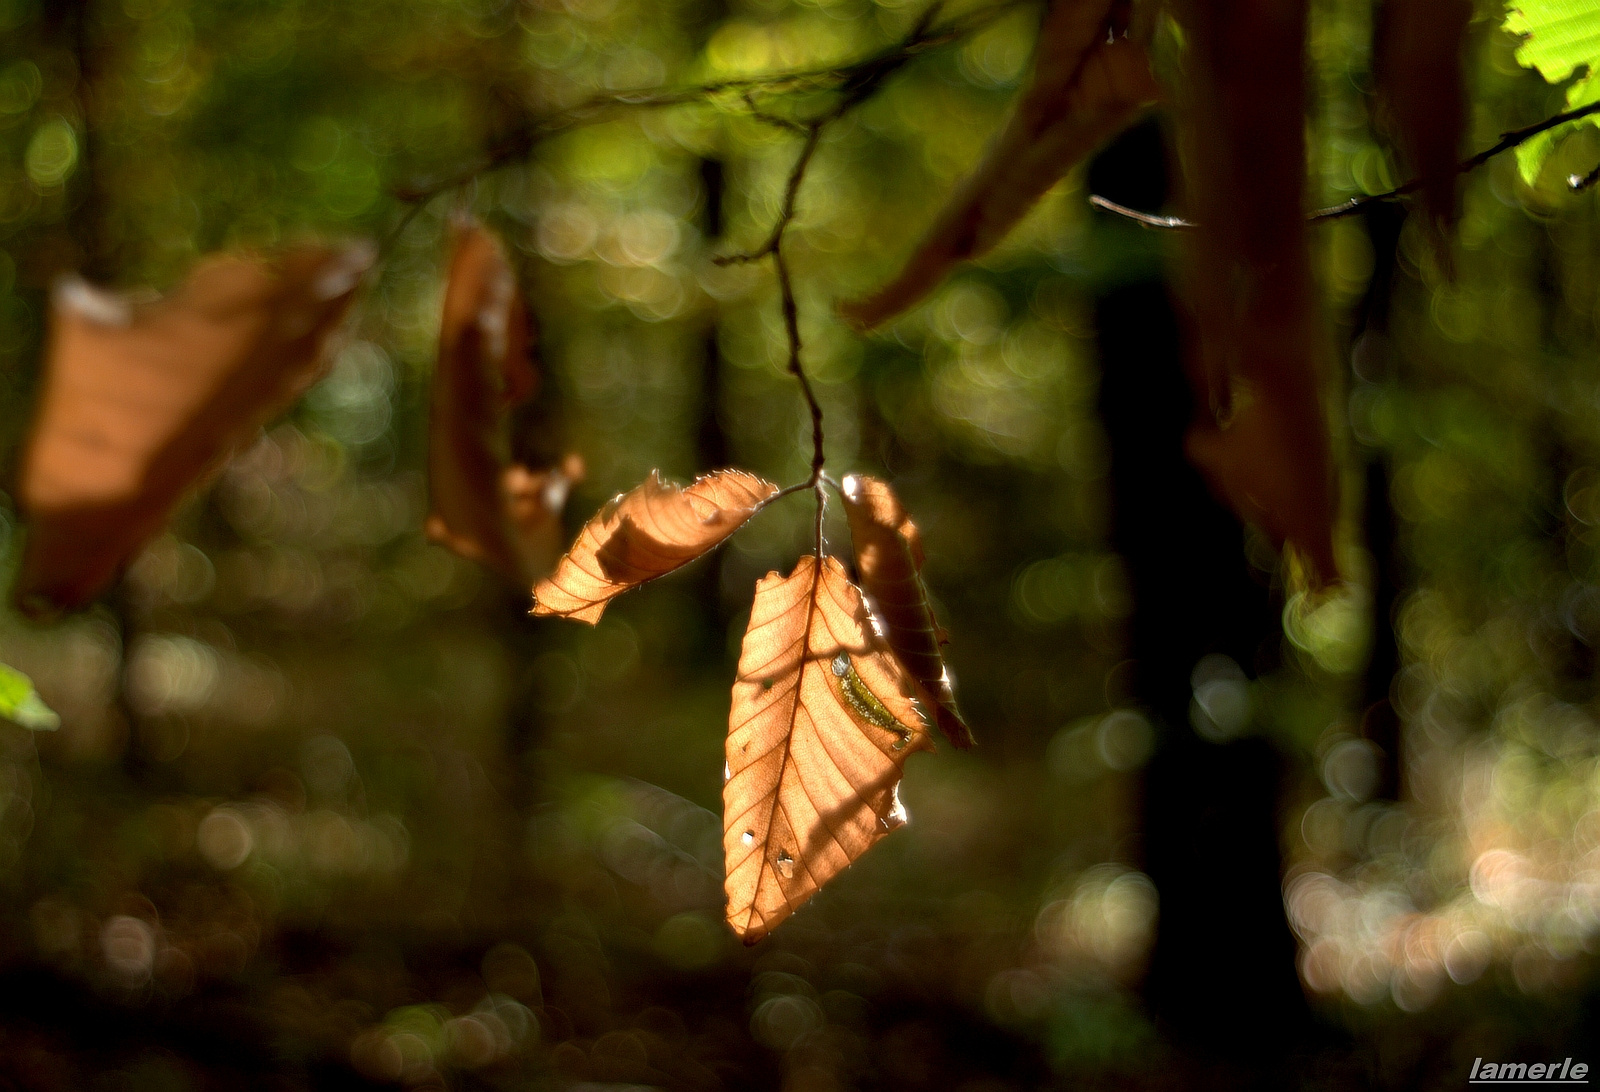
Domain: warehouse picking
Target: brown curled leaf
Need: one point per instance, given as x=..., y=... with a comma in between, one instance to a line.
x=888, y=552
x=822, y=722
x=483, y=505
x=1258, y=465
x=141, y=400
x=1087, y=86
x=647, y=532
x=1261, y=433
x=1417, y=60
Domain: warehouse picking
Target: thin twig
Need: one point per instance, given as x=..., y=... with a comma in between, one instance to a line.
x=1148, y=219
x=791, y=193
x=856, y=82
x=849, y=78
x=771, y=119
x=863, y=81
x=392, y=236
x=1507, y=141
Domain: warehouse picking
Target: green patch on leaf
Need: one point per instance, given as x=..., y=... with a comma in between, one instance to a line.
x=20, y=702
x=1560, y=38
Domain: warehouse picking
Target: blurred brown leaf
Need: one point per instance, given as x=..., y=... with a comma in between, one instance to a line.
x=647, y=532
x=822, y=721
x=142, y=399
x=889, y=555
x=1261, y=434
x=1422, y=98
x=1088, y=84
x=484, y=506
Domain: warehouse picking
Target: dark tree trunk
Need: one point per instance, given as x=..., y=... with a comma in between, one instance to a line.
x=1370, y=362
x=1221, y=984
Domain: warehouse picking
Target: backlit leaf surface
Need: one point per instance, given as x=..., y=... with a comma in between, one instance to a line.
x=1560, y=38
x=141, y=400
x=889, y=556
x=20, y=702
x=1087, y=85
x=647, y=532
x=823, y=719
x=484, y=506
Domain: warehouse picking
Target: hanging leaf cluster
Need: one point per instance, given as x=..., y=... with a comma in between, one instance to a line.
x=831, y=696
x=838, y=683
x=1258, y=347
x=145, y=398
x=485, y=505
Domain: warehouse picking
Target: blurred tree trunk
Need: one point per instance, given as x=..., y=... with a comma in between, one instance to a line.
x=69, y=28
x=1370, y=363
x=1221, y=983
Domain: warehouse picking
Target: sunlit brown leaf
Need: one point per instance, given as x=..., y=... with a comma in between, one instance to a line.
x=1087, y=85
x=1261, y=434
x=822, y=722
x=485, y=506
x=889, y=556
x=647, y=532
x=1417, y=60
x=142, y=399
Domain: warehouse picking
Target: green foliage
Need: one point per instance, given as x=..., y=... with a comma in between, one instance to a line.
x=1561, y=38
x=20, y=702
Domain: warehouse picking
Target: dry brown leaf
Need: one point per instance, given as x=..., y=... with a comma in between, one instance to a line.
x=647, y=532
x=1256, y=463
x=142, y=399
x=1086, y=87
x=889, y=556
x=1261, y=434
x=484, y=506
x=822, y=722
x=1417, y=59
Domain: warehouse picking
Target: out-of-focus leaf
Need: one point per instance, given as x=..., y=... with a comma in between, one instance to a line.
x=647, y=532
x=1260, y=435
x=1087, y=85
x=823, y=719
x=889, y=556
x=20, y=702
x=1561, y=38
x=141, y=400
x=1418, y=62
x=485, y=507
x=1262, y=462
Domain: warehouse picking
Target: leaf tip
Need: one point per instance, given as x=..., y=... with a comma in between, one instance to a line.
x=954, y=727
x=861, y=315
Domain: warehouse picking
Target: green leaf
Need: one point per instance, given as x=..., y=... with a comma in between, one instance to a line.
x=1560, y=38
x=20, y=702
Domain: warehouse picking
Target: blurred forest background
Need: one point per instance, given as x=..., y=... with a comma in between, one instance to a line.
x=326, y=809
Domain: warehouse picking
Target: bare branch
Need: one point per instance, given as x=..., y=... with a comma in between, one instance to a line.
x=856, y=79
x=1507, y=141
x=856, y=82
x=1148, y=219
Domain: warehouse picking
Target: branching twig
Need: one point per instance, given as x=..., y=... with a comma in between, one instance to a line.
x=771, y=119
x=791, y=192
x=849, y=78
x=1148, y=219
x=863, y=80
x=854, y=82
x=1507, y=141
